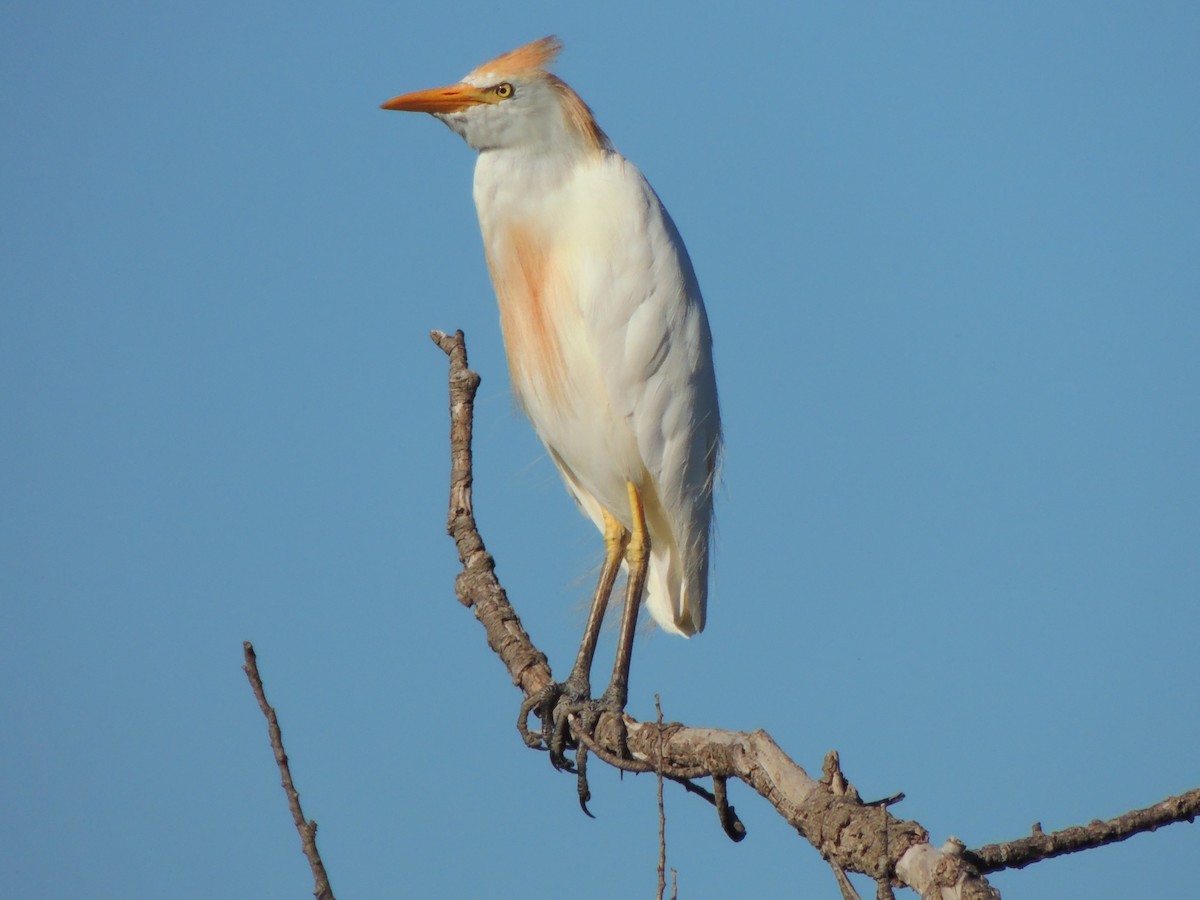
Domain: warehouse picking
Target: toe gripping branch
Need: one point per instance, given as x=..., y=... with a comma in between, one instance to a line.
x=568, y=724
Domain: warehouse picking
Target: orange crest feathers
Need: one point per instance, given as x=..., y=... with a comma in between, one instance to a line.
x=533, y=57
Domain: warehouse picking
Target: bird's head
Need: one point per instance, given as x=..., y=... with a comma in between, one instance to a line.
x=512, y=102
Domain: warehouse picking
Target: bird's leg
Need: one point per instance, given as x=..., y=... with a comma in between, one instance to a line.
x=637, y=555
x=616, y=538
x=555, y=703
x=577, y=688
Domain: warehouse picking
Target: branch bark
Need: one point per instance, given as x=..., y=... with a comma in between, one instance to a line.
x=828, y=813
x=1039, y=845
x=306, y=828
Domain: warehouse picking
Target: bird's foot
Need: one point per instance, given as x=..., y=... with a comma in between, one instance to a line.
x=566, y=712
x=588, y=717
x=553, y=705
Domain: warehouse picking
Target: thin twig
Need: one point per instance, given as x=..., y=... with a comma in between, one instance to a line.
x=844, y=886
x=662, y=813
x=307, y=829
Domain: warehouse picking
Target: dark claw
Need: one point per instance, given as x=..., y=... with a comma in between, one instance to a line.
x=581, y=785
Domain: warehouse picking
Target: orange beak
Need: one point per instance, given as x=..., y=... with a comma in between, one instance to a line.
x=452, y=98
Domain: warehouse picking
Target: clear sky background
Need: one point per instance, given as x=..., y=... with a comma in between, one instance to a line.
x=951, y=255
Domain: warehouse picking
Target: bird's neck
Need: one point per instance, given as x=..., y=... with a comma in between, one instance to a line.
x=515, y=184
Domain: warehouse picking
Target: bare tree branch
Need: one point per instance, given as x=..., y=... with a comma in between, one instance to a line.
x=851, y=835
x=1038, y=846
x=307, y=829
x=662, y=811
x=477, y=585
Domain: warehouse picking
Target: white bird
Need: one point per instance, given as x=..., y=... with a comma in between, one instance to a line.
x=607, y=340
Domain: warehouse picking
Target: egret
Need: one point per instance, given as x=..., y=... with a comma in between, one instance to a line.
x=608, y=346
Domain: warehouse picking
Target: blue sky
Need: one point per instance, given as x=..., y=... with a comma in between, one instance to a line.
x=950, y=259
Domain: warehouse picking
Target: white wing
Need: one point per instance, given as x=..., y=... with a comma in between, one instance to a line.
x=642, y=308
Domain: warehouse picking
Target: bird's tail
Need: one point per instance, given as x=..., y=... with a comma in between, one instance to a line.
x=676, y=590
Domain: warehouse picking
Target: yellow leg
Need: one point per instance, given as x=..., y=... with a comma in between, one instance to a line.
x=556, y=703
x=637, y=555
x=615, y=540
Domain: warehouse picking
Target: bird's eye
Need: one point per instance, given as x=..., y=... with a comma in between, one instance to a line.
x=503, y=90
